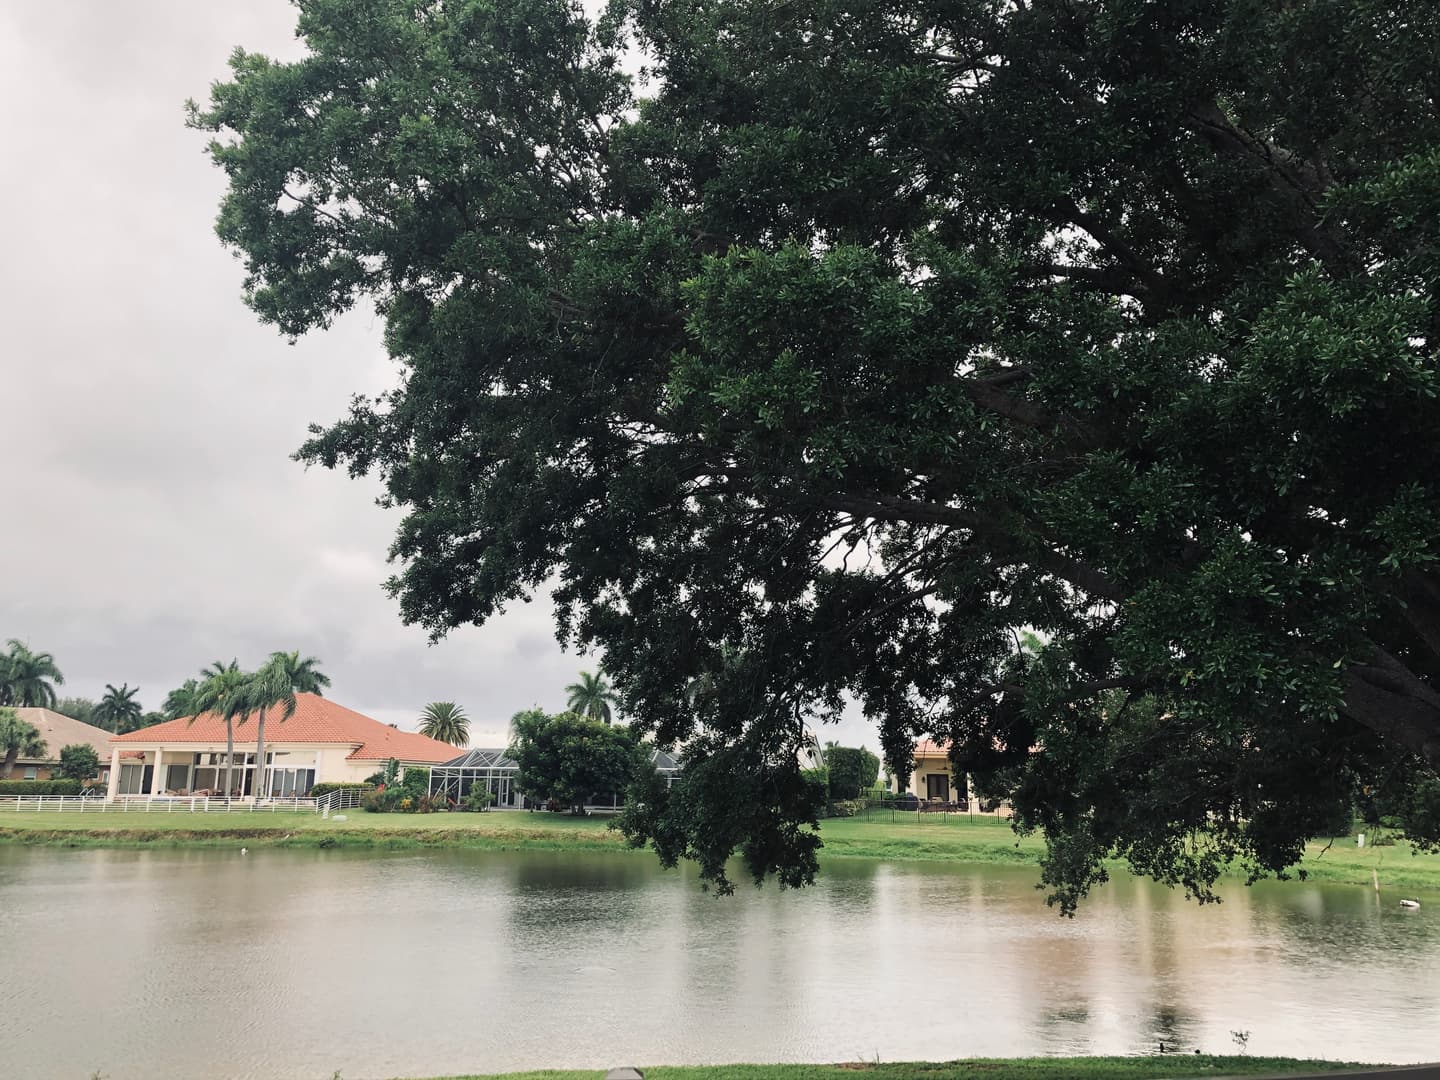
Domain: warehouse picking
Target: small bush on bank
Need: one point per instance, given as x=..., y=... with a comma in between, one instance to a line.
x=383, y=800
x=846, y=807
x=477, y=800
x=39, y=787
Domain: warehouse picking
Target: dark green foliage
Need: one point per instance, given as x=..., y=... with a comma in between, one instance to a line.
x=28, y=678
x=846, y=807
x=852, y=770
x=862, y=339
x=478, y=798
x=119, y=711
x=18, y=738
x=386, y=800
x=184, y=700
x=79, y=761
x=40, y=787
x=591, y=697
x=571, y=759
x=77, y=708
x=416, y=780
x=446, y=721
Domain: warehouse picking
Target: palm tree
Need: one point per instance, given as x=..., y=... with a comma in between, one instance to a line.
x=119, y=707
x=274, y=686
x=219, y=667
x=17, y=737
x=591, y=697
x=28, y=678
x=181, y=701
x=446, y=721
x=222, y=692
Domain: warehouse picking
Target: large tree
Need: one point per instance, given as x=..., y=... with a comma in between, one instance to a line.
x=446, y=721
x=17, y=738
x=591, y=697
x=863, y=335
x=182, y=700
x=77, y=708
x=118, y=709
x=572, y=758
x=272, y=689
x=78, y=761
x=222, y=691
x=28, y=678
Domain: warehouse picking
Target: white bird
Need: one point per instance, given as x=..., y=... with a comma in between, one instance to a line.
x=244, y=851
x=1409, y=903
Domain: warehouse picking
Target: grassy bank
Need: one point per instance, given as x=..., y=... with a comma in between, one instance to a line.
x=901, y=837
x=1073, y=1068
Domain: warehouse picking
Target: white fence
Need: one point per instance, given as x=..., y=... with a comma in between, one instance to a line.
x=158, y=804
x=346, y=798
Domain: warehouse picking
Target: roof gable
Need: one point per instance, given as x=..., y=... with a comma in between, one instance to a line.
x=59, y=731
x=315, y=720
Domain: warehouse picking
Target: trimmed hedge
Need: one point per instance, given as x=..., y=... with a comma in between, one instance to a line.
x=39, y=787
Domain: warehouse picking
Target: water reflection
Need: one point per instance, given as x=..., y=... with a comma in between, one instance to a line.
x=293, y=964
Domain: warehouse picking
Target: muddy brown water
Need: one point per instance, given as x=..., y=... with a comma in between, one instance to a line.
x=295, y=964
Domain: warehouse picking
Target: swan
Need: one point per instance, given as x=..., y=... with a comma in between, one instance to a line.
x=1409, y=903
x=244, y=851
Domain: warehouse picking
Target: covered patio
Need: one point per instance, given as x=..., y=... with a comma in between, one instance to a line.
x=188, y=772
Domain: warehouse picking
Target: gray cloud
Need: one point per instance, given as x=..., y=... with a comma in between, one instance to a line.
x=153, y=518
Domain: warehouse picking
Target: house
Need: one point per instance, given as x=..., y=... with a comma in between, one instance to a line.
x=322, y=742
x=933, y=779
x=491, y=768
x=58, y=731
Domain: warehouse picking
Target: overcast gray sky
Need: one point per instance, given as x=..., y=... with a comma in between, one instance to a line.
x=153, y=520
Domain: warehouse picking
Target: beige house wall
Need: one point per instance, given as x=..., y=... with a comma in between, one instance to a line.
x=330, y=761
x=939, y=766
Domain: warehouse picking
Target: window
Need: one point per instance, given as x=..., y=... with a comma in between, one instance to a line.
x=30, y=772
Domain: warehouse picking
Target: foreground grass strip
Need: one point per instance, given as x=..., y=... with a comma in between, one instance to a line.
x=1163, y=1067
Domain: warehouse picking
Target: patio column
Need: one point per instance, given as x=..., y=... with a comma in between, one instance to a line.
x=157, y=779
x=113, y=784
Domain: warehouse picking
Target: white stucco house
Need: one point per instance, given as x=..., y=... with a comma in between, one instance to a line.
x=322, y=742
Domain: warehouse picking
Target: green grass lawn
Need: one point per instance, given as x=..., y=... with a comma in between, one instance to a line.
x=881, y=835
x=1081, y=1068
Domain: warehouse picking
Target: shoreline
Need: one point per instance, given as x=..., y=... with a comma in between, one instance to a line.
x=978, y=842
x=1151, y=1067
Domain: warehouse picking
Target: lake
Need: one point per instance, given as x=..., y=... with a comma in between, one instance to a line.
x=293, y=964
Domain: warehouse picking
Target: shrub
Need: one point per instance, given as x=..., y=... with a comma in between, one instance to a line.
x=39, y=787
x=817, y=785
x=416, y=781
x=382, y=800
x=478, y=799
x=852, y=770
x=78, y=761
x=847, y=807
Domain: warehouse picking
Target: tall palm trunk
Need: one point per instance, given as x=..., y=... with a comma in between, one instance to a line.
x=260, y=755
x=229, y=758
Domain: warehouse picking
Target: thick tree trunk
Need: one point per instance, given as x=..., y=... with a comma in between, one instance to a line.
x=229, y=759
x=260, y=756
x=11, y=756
x=1389, y=699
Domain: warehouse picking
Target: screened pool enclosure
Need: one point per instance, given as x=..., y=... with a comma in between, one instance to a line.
x=492, y=769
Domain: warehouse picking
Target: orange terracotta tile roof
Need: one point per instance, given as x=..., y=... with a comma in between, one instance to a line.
x=929, y=748
x=315, y=720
